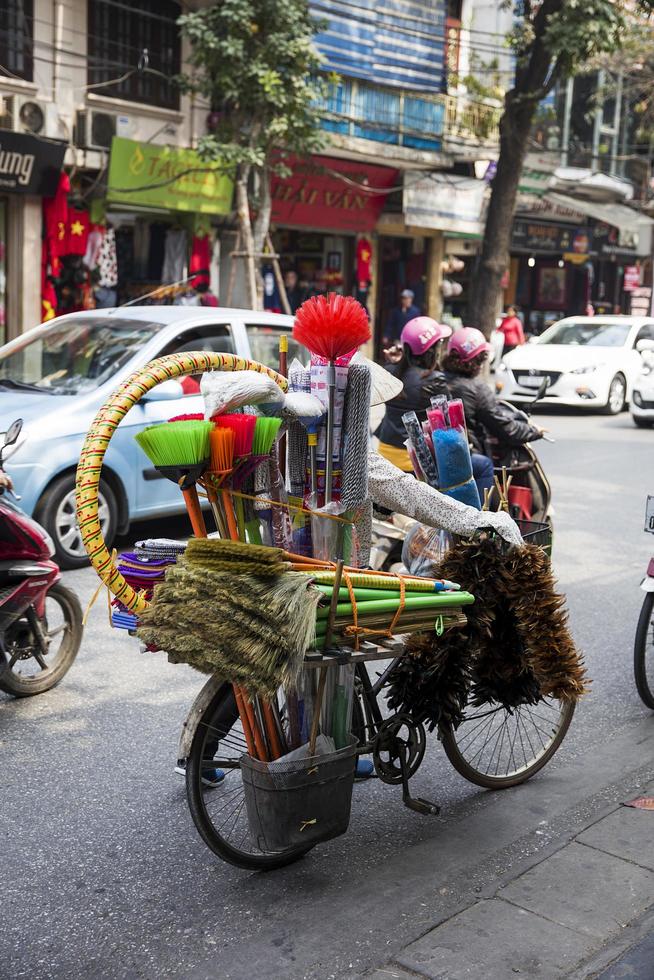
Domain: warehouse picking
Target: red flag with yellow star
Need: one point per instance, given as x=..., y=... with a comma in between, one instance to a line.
x=55, y=219
x=77, y=232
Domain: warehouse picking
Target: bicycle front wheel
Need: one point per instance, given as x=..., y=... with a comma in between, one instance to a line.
x=496, y=747
x=218, y=808
x=644, y=652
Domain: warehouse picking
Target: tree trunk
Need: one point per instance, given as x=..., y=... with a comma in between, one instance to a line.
x=494, y=258
x=247, y=238
x=262, y=227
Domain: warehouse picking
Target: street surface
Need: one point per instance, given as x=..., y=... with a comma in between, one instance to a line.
x=104, y=875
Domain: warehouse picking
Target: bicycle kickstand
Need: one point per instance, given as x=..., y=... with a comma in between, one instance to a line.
x=414, y=802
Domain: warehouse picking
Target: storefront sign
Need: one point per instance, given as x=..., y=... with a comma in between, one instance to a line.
x=608, y=240
x=531, y=205
x=29, y=165
x=333, y=195
x=444, y=201
x=631, y=278
x=641, y=301
x=166, y=178
x=531, y=236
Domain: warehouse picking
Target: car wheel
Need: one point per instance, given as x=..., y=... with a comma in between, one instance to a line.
x=57, y=513
x=616, y=401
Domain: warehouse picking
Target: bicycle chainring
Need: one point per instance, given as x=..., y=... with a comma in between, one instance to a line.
x=397, y=734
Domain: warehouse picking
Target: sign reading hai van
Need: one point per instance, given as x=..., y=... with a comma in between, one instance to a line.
x=166, y=178
x=29, y=165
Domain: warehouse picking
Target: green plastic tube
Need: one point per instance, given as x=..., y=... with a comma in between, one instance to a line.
x=431, y=601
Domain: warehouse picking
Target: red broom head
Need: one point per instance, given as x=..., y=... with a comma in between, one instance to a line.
x=189, y=417
x=243, y=428
x=331, y=325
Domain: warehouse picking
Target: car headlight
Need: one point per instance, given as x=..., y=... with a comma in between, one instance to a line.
x=501, y=368
x=586, y=370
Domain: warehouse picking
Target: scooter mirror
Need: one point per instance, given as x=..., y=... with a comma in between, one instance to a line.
x=12, y=433
x=542, y=388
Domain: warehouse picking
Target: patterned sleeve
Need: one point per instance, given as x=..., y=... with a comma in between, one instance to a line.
x=400, y=492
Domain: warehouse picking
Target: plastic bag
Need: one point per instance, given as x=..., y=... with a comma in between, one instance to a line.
x=424, y=549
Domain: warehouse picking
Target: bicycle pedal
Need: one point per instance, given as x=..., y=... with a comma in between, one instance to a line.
x=424, y=807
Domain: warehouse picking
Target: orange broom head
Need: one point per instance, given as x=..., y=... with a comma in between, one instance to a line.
x=243, y=428
x=221, y=442
x=331, y=325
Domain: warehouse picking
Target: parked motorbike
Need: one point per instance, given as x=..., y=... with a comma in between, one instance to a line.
x=644, y=642
x=40, y=619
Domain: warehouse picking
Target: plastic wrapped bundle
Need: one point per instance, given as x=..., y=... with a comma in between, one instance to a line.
x=420, y=448
x=454, y=466
x=356, y=425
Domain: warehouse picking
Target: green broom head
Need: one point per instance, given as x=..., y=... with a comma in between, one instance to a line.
x=177, y=448
x=265, y=431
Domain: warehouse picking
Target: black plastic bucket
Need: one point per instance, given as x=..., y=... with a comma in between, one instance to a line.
x=292, y=804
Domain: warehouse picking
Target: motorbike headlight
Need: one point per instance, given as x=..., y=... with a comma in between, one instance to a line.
x=48, y=540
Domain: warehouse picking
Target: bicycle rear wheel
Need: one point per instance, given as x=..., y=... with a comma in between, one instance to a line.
x=496, y=748
x=218, y=810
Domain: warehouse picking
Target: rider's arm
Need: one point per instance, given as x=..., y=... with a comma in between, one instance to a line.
x=389, y=487
x=6, y=482
x=511, y=431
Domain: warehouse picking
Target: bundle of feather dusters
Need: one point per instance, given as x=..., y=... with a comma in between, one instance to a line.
x=233, y=609
x=516, y=648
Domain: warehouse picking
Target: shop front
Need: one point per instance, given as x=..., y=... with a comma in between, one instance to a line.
x=324, y=217
x=29, y=171
x=551, y=271
x=163, y=206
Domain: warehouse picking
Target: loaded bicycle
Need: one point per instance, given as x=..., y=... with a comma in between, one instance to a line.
x=243, y=807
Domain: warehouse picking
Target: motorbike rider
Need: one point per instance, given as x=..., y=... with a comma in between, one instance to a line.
x=467, y=352
x=416, y=364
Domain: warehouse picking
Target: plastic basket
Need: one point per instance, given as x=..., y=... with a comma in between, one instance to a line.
x=300, y=802
x=536, y=532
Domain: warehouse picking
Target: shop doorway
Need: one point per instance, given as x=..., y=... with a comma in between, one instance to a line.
x=402, y=265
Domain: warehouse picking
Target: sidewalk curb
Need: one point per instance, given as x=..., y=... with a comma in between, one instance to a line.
x=634, y=931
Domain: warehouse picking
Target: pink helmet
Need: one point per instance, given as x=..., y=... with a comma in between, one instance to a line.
x=468, y=343
x=422, y=332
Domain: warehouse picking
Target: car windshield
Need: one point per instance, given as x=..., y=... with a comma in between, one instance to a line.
x=264, y=345
x=599, y=333
x=74, y=356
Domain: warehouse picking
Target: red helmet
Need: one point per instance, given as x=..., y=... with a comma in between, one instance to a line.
x=468, y=343
x=422, y=332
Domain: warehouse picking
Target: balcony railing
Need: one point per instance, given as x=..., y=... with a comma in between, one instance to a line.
x=405, y=118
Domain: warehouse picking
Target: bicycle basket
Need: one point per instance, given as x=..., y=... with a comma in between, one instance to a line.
x=536, y=532
x=300, y=802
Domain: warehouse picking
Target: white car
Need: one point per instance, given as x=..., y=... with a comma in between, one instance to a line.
x=642, y=396
x=590, y=362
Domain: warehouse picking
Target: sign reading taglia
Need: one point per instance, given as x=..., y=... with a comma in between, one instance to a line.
x=331, y=195
x=166, y=178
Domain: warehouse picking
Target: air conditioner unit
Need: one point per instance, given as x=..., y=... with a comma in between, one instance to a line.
x=94, y=130
x=23, y=115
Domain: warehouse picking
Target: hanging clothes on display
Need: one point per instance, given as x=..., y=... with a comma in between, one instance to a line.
x=106, y=294
x=175, y=255
x=200, y=260
x=77, y=232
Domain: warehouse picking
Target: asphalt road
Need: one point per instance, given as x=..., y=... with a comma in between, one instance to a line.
x=102, y=871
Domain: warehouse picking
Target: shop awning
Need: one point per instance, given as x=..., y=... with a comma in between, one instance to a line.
x=634, y=227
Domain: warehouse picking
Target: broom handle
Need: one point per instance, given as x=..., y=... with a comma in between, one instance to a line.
x=316, y=710
x=323, y=670
x=262, y=752
x=329, y=450
x=245, y=721
x=313, y=464
x=231, y=516
x=271, y=729
x=212, y=496
x=194, y=510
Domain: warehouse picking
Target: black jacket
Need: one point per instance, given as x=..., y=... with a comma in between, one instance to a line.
x=419, y=389
x=485, y=416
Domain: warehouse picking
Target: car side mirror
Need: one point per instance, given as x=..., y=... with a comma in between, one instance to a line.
x=167, y=391
x=644, y=345
x=12, y=433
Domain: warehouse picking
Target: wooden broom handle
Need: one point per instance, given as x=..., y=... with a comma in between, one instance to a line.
x=194, y=510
